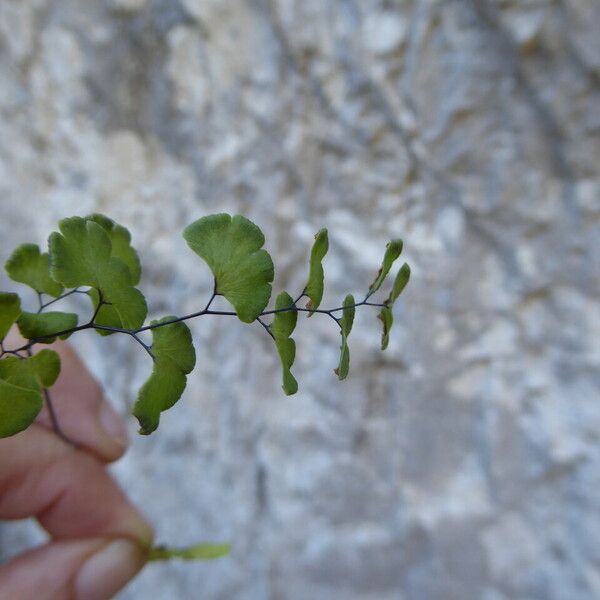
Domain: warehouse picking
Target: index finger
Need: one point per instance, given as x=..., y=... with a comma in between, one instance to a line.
x=69, y=491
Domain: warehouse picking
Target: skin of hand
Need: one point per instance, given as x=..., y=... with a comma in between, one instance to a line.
x=98, y=540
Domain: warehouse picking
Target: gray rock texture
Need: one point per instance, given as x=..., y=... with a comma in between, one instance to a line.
x=464, y=463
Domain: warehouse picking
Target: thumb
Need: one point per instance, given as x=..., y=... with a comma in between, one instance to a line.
x=100, y=539
x=92, y=569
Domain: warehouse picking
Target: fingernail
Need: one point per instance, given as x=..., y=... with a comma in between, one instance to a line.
x=113, y=424
x=108, y=570
x=137, y=526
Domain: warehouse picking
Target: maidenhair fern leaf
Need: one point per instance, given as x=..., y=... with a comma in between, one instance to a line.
x=284, y=324
x=174, y=358
x=345, y=328
x=29, y=266
x=121, y=248
x=120, y=240
x=81, y=254
x=392, y=252
x=21, y=384
x=316, y=284
x=386, y=315
x=38, y=326
x=10, y=309
x=387, y=318
x=232, y=248
x=19, y=406
x=399, y=284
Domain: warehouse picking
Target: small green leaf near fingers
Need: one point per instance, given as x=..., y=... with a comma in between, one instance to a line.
x=315, y=286
x=392, y=252
x=21, y=384
x=36, y=372
x=122, y=249
x=29, y=266
x=10, y=309
x=19, y=407
x=45, y=367
x=232, y=248
x=346, y=322
x=284, y=324
x=399, y=284
x=38, y=326
x=81, y=254
x=197, y=552
x=174, y=358
x=387, y=318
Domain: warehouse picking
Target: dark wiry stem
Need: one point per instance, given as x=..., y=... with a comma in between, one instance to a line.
x=134, y=333
x=184, y=318
x=214, y=293
x=101, y=303
x=267, y=328
x=300, y=296
x=145, y=346
x=54, y=420
x=205, y=311
x=336, y=320
x=4, y=351
x=75, y=291
x=129, y=332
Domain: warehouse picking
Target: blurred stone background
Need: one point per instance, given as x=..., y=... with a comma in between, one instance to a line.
x=465, y=461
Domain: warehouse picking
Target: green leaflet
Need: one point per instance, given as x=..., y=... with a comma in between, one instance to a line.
x=81, y=254
x=348, y=313
x=19, y=407
x=45, y=367
x=387, y=318
x=314, y=287
x=392, y=252
x=346, y=327
x=399, y=284
x=10, y=309
x=38, y=371
x=21, y=384
x=29, y=266
x=107, y=316
x=120, y=239
x=284, y=324
x=37, y=326
x=232, y=248
x=122, y=249
x=174, y=358
x=197, y=552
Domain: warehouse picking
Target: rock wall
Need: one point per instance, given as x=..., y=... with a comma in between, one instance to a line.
x=465, y=461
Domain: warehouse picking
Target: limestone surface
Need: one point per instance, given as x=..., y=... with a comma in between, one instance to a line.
x=463, y=463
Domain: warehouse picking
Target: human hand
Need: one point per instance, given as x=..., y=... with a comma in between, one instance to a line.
x=99, y=541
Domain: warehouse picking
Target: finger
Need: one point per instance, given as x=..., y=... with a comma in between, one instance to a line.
x=69, y=491
x=83, y=414
x=94, y=569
